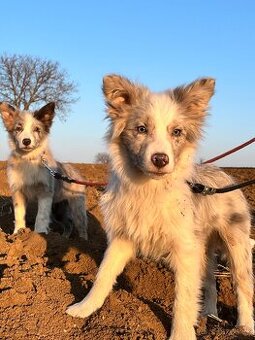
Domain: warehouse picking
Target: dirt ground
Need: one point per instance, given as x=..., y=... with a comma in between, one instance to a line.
x=41, y=275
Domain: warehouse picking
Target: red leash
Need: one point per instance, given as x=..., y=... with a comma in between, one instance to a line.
x=230, y=151
x=86, y=183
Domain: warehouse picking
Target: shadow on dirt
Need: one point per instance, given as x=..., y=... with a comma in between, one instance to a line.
x=6, y=214
x=56, y=250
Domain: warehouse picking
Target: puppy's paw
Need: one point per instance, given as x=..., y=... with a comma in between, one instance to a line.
x=80, y=310
x=18, y=229
x=182, y=334
x=249, y=329
x=246, y=323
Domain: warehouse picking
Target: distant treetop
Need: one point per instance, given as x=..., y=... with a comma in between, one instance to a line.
x=103, y=158
x=28, y=82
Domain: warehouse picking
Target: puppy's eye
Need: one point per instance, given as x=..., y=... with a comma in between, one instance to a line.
x=18, y=128
x=176, y=132
x=37, y=129
x=141, y=129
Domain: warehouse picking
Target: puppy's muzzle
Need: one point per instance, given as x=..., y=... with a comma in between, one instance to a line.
x=26, y=141
x=159, y=160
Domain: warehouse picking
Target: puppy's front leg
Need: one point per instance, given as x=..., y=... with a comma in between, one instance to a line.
x=118, y=253
x=19, y=203
x=187, y=262
x=44, y=211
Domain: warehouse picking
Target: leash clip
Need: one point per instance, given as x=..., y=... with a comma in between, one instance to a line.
x=56, y=174
x=199, y=188
x=208, y=191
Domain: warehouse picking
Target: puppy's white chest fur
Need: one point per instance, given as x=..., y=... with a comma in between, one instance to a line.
x=26, y=174
x=154, y=220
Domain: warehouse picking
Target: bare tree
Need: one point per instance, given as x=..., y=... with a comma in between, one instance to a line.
x=103, y=158
x=27, y=82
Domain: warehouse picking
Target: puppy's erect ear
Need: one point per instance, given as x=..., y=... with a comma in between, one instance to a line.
x=8, y=114
x=46, y=115
x=195, y=96
x=193, y=100
x=120, y=93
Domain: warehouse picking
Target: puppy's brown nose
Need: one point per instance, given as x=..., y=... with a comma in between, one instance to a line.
x=26, y=141
x=159, y=159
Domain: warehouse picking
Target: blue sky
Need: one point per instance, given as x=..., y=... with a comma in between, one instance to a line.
x=159, y=43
